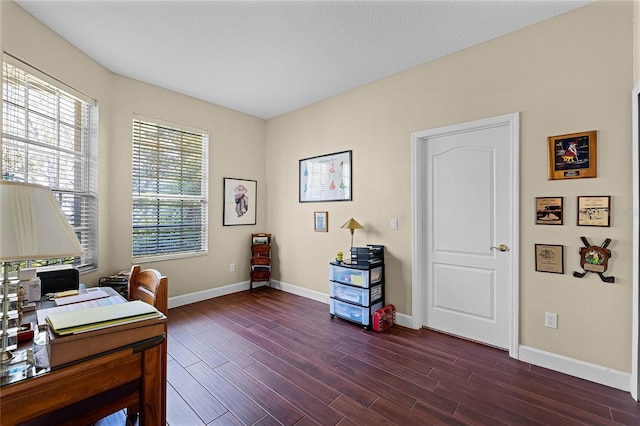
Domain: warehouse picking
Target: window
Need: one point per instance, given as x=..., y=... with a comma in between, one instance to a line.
x=169, y=190
x=48, y=138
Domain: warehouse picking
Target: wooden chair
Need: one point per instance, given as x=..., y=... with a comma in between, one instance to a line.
x=151, y=287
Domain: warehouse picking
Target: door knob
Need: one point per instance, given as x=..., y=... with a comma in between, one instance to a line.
x=501, y=247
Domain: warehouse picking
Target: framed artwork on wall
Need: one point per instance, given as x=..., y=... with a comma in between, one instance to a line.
x=549, y=210
x=325, y=178
x=321, y=221
x=239, y=203
x=573, y=156
x=594, y=211
x=550, y=258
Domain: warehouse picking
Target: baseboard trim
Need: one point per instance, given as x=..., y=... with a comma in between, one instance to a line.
x=301, y=291
x=574, y=367
x=199, y=296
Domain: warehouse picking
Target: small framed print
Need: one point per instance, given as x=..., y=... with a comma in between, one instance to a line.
x=594, y=211
x=549, y=211
x=321, y=221
x=550, y=258
x=573, y=156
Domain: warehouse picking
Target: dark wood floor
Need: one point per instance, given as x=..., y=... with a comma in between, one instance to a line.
x=270, y=358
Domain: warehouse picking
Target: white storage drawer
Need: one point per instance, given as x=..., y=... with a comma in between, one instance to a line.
x=361, y=277
x=359, y=314
x=361, y=296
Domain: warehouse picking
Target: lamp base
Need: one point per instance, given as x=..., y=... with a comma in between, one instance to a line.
x=5, y=357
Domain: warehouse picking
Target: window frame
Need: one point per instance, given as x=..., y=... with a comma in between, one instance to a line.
x=166, y=199
x=80, y=191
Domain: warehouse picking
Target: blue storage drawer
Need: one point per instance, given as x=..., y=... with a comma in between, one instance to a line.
x=359, y=314
x=364, y=278
x=360, y=296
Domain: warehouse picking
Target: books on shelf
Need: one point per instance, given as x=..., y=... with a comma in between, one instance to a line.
x=260, y=268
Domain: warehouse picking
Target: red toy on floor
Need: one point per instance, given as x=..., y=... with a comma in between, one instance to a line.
x=384, y=318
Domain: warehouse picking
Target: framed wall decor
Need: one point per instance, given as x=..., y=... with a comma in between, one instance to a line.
x=550, y=258
x=549, y=210
x=321, y=221
x=239, y=203
x=573, y=156
x=325, y=178
x=594, y=211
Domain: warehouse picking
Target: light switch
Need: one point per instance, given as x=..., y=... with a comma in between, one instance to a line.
x=394, y=224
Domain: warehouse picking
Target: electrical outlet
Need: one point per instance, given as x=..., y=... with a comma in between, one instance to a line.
x=394, y=224
x=232, y=267
x=550, y=320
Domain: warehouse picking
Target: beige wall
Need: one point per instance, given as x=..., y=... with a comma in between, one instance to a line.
x=568, y=74
x=236, y=149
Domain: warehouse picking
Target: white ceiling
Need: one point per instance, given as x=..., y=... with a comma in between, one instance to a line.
x=266, y=58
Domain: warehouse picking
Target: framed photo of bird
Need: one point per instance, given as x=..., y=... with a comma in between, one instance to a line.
x=573, y=156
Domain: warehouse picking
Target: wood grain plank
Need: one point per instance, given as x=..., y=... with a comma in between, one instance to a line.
x=194, y=394
x=240, y=405
x=302, y=400
x=278, y=407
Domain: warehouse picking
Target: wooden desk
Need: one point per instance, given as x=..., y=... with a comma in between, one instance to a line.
x=92, y=388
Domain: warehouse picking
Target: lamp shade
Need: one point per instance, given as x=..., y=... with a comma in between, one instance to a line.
x=32, y=225
x=352, y=224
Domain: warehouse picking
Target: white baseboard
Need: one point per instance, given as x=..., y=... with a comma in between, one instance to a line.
x=584, y=370
x=404, y=320
x=301, y=291
x=199, y=296
x=574, y=367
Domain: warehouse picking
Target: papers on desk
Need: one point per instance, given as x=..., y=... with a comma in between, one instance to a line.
x=104, y=330
x=80, y=296
x=43, y=313
x=85, y=320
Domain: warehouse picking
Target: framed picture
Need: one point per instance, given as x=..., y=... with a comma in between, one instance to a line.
x=239, y=204
x=549, y=211
x=325, y=178
x=550, y=258
x=573, y=156
x=594, y=211
x=321, y=221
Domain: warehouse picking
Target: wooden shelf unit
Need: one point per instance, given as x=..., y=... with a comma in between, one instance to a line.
x=260, y=259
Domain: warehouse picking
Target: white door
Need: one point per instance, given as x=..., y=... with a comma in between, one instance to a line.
x=469, y=223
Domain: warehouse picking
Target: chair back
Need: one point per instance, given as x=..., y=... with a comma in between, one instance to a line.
x=149, y=286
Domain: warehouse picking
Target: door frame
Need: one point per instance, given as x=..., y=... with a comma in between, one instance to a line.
x=418, y=174
x=635, y=315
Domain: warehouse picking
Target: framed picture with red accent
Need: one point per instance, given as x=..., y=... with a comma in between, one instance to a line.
x=573, y=156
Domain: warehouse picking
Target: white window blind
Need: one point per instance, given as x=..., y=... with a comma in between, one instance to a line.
x=49, y=138
x=169, y=190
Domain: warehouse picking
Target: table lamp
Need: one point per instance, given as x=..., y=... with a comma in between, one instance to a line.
x=32, y=226
x=352, y=225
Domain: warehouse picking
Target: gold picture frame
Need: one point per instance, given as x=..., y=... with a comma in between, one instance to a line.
x=573, y=155
x=321, y=221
